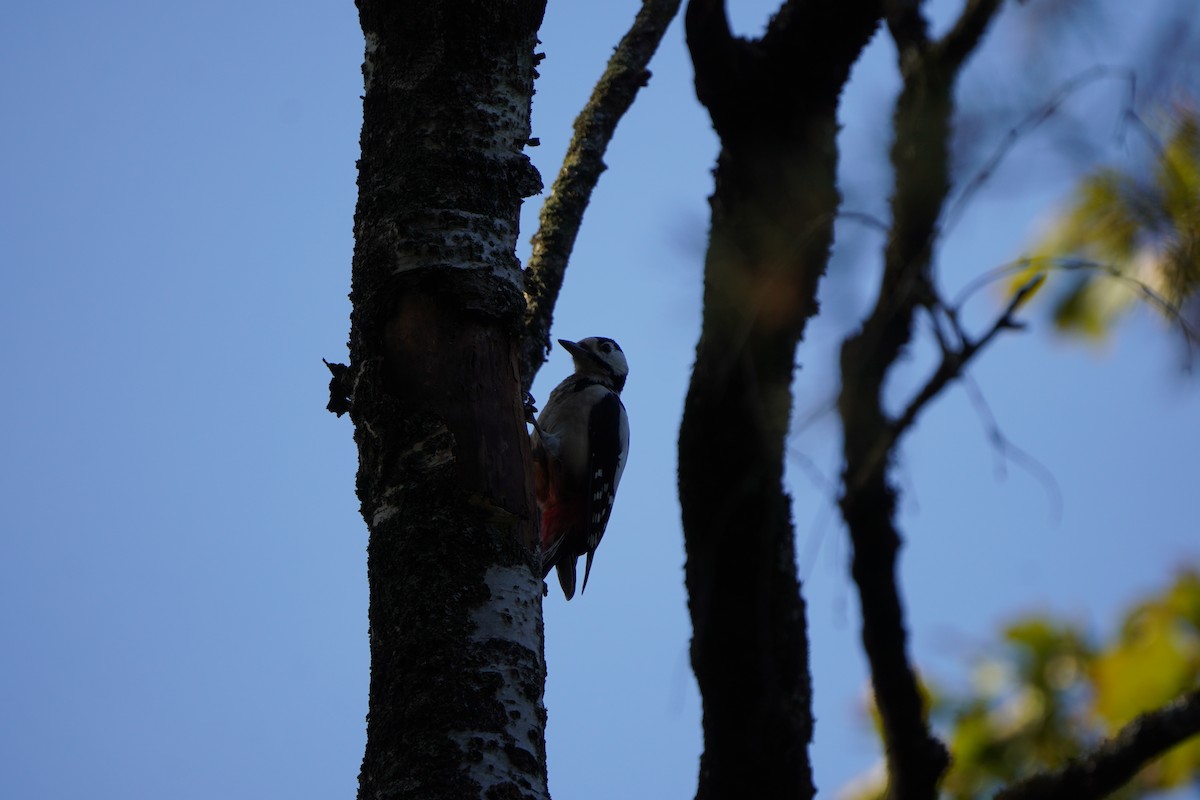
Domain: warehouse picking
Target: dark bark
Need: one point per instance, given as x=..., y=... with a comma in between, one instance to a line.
x=773, y=103
x=457, y=670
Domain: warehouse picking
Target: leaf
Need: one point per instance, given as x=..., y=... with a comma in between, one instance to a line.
x=1155, y=659
x=1126, y=235
x=1142, y=672
x=1048, y=692
x=1091, y=307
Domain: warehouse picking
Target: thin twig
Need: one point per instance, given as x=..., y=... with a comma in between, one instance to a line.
x=815, y=413
x=816, y=536
x=1007, y=451
x=868, y=220
x=961, y=40
x=1048, y=264
x=1031, y=121
x=816, y=476
x=816, y=539
x=562, y=213
x=954, y=362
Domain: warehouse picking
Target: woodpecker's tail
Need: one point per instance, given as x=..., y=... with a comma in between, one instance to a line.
x=558, y=525
x=566, y=576
x=587, y=570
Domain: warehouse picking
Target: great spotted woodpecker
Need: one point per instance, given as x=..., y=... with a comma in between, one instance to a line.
x=580, y=445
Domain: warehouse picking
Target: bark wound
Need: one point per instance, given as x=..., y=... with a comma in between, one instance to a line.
x=477, y=394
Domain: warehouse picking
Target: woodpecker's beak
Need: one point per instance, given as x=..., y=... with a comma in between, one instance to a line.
x=575, y=350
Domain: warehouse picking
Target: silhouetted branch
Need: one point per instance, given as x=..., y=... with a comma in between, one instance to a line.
x=709, y=37
x=920, y=159
x=1116, y=761
x=562, y=213
x=798, y=35
x=1048, y=264
x=955, y=360
x=908, y=27
x=962, y=39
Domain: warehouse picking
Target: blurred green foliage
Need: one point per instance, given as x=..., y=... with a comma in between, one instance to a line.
x=1128, y=235
x=1048, y=690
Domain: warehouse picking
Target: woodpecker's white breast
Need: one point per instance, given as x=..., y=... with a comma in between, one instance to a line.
x=564, y=425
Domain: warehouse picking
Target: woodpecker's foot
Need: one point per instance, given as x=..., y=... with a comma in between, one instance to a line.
x=530, y=409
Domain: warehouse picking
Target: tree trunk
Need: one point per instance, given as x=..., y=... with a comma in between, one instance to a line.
x=773, y=102
x=457, y=668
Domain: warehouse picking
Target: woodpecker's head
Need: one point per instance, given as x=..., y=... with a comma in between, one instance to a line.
x=601, y=357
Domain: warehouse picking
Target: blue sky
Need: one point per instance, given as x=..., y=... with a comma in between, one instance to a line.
x=182, y=579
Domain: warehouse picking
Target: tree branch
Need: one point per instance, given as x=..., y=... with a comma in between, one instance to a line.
x=921, y=161
x=961, y=40
x=562, y=213
x=725, y=65
x=798, y=40
x=1031, y=121
x=909, y=29
x=1116, y=761
x=708, y=34
x=953, y=365
x=1007, y=450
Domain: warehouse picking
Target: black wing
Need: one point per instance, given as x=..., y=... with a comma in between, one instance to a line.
x=605, y=433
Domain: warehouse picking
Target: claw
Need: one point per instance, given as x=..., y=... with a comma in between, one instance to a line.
x=530, y=408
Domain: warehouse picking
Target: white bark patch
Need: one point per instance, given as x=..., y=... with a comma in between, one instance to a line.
x=368, y=65
x=383, y=514
x=510, y=615
x=508, y=109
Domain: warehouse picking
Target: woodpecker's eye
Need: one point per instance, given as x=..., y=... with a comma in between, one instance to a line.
x=606, y=348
